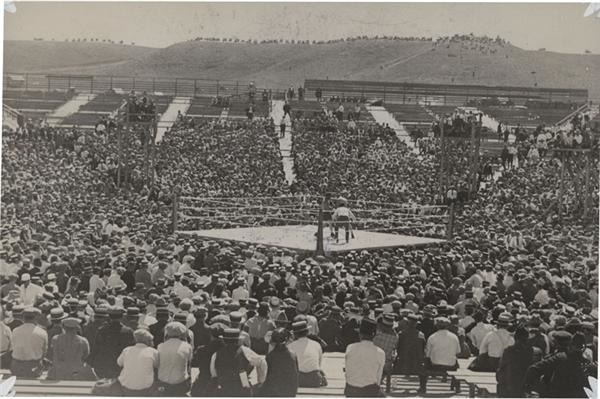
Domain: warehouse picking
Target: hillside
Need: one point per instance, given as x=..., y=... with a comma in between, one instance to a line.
x=279, y=65
x=44, y=56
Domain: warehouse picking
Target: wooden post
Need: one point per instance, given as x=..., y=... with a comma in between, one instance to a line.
x=92, y=85
x=120, y=153
x=111, y=82
x=450, y=226
x=146, y=152
x=176, y=87
x=319, y=250
x=217, y=88
x=442, y=159
x=175, y=210
x=153, y=85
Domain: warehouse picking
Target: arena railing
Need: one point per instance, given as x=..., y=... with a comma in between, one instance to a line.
x=175, y=86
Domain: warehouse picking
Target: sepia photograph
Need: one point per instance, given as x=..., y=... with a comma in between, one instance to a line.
x=296, y=199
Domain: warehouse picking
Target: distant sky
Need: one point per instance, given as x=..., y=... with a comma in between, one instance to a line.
x=554, y=26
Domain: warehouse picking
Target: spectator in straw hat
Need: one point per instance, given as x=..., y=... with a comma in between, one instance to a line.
x=174, y=358
x=30, y=343
x=441, y=351
x=386, y=338
x=231, y=363
x=493, y=345
x=138, y=364
x=364, y=363
x=310, y=356
x=69, y=353
x=282, y=367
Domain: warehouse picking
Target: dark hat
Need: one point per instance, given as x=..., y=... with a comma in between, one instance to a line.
x=133, y=312
x=279, y=336
x=368, y=327
x=162, y=312
x=562, y=338
x=57, y=314
x=115, y=313
x=252, y=304
x=231, y=335
x=299, y=326
x=31, y=312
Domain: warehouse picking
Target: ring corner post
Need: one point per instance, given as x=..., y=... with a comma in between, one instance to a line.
x=320, y=250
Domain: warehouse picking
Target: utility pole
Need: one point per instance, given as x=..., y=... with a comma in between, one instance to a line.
x=442, y=158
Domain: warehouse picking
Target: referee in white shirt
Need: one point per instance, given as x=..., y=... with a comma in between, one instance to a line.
x=364, y=364
x=343, y=216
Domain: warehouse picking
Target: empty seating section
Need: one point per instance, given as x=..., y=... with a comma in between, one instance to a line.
x=239, y=109
x=35, y=104
x=440, y=110
x=526, y=116
x=201, y=106
x=409, y=113
x=104, y=103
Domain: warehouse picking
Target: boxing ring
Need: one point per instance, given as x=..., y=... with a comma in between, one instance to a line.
x=293, y=222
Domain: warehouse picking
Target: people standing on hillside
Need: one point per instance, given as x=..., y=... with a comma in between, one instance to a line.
x=287, y=109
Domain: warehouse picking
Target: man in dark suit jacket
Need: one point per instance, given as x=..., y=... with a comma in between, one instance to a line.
x=111, y=339
x=514, y=363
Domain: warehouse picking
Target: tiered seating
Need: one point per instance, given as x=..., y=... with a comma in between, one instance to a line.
x=442, y=109
x=201, y=107
x=35, y=104
x=409, y=112
x=238, y=109
x=549, y=116
x=350, y=106
x=106, y=103
x=305, y=108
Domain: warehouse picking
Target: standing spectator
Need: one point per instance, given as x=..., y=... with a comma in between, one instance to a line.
x=282, y=126
x=364, y=364
x=138, y=364
x=257, y=327
x=29, y=291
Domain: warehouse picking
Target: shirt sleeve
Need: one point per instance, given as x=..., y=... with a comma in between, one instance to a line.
x=213, y=369
x=257, y=361
x=121, y=358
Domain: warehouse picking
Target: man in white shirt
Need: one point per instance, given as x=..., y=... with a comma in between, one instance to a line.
x=29, y=345
x=481, y=329
x=240, y=292
x=309, y=354
x=175, y=356
x=343, y=216
x=29, y=291
x=495, y=342
x=364, y=363
x=138, y=363
x=441, y=351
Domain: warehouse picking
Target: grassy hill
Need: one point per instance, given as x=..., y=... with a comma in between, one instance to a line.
x=44, y=56
x=279, y=65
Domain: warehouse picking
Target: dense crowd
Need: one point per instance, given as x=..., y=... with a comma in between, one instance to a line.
x=95, y=285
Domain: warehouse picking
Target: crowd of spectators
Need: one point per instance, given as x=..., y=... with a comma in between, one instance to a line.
x=91, y=266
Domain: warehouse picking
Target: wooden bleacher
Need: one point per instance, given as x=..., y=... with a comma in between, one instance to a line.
x=479, y=384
